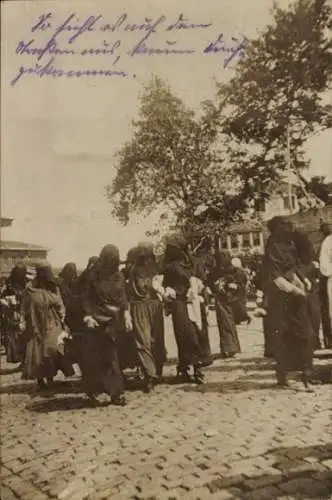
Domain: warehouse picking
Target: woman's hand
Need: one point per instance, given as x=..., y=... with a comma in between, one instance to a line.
x=233, y=286
x=298, y=292
x=22, y=326
x=90, y=322
x=170, y=293
x=128, y=321
x=308, y=285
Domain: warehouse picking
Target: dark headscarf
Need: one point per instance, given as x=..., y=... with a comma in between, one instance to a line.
x=177, y=250
x=108, y=261
x=45, y=277
x=69, y=272
x=281, y=257
x=18, y=276
x=304, y=248
x=107, y=284
x=131, y=255
x=224, y=260
x=144, y=264
x=178, y=266
x=223, y=267
x=86, y=275
x=325, y=229
x=280, y=228
x=92, y=262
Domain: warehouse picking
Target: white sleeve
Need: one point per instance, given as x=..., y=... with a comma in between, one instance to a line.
x=283, y=285
x=325, y=258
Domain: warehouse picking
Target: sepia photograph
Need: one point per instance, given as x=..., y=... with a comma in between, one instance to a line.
x=166, y=250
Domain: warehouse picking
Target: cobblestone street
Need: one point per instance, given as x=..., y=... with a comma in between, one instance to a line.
x=236, y=437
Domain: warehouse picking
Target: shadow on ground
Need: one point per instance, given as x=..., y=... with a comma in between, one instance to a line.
x=49, y=405
x=10, y=370
x=303, y=475
x=29, y=387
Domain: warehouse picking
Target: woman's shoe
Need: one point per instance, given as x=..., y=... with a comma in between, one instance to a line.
x=306, y=379
x=148, y=385
x=184, y=377
x=119, y=400
x=198, y=376
x=50, y=381
x=157, y=380
x=282, y=379
x=41, y=385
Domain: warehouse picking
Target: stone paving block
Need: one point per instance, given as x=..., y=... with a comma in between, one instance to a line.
x=7, y=493
x=176, y=493
x=229, y=494
x=35, y=495
x=198, y=494
x=303, y=486
x=24, y=489
x=77, y=488
x=261, y=481
x=14, y=465
x=327, y=463
x=225, y=482
x=267, y=493
x=4, y=472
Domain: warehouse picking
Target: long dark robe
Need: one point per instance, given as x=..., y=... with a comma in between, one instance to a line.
x=71, y=296
x=314, y=304
x=105, y=300
x=177, y=275
x=201, y=267
x=289, y=315
x=225, y=300
x=43, y=311
x=240, y=305
x=148, y=320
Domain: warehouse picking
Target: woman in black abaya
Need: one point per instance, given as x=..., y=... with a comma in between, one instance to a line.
x=106, y=316
x=178, y=271
x=225, y=284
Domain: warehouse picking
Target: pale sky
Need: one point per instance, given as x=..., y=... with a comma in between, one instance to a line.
x=59, y=135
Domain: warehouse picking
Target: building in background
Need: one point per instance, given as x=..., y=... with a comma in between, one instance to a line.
x=12, y=252
x=290, y=199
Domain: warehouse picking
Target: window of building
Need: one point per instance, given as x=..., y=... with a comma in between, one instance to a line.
x=260, y=205
x=224, y=243
x=234, y=241
x=289, y=204
x=286, y=202
x=246, y=240
x=256, y=239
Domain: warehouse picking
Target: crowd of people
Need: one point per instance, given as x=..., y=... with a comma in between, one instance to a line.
x=111, y=317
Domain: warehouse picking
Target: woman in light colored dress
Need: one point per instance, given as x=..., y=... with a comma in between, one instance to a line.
x=43, y=312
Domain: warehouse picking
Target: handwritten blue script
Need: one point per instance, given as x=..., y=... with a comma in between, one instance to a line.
x=95, y=46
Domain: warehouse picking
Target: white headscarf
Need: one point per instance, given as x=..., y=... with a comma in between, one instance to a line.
x=236, y=262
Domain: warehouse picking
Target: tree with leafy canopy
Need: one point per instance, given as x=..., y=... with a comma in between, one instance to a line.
x=275, y=101
x=169, y=164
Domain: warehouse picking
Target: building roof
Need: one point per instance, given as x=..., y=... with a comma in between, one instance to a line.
x=5, y=222
x=245, y=226
x=19, y=245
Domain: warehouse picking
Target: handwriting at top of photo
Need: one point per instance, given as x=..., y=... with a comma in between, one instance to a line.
x=46, y=21
x=181, y=23
x=235, y=49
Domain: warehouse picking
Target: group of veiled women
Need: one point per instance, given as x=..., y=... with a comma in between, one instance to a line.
x=108, y=319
